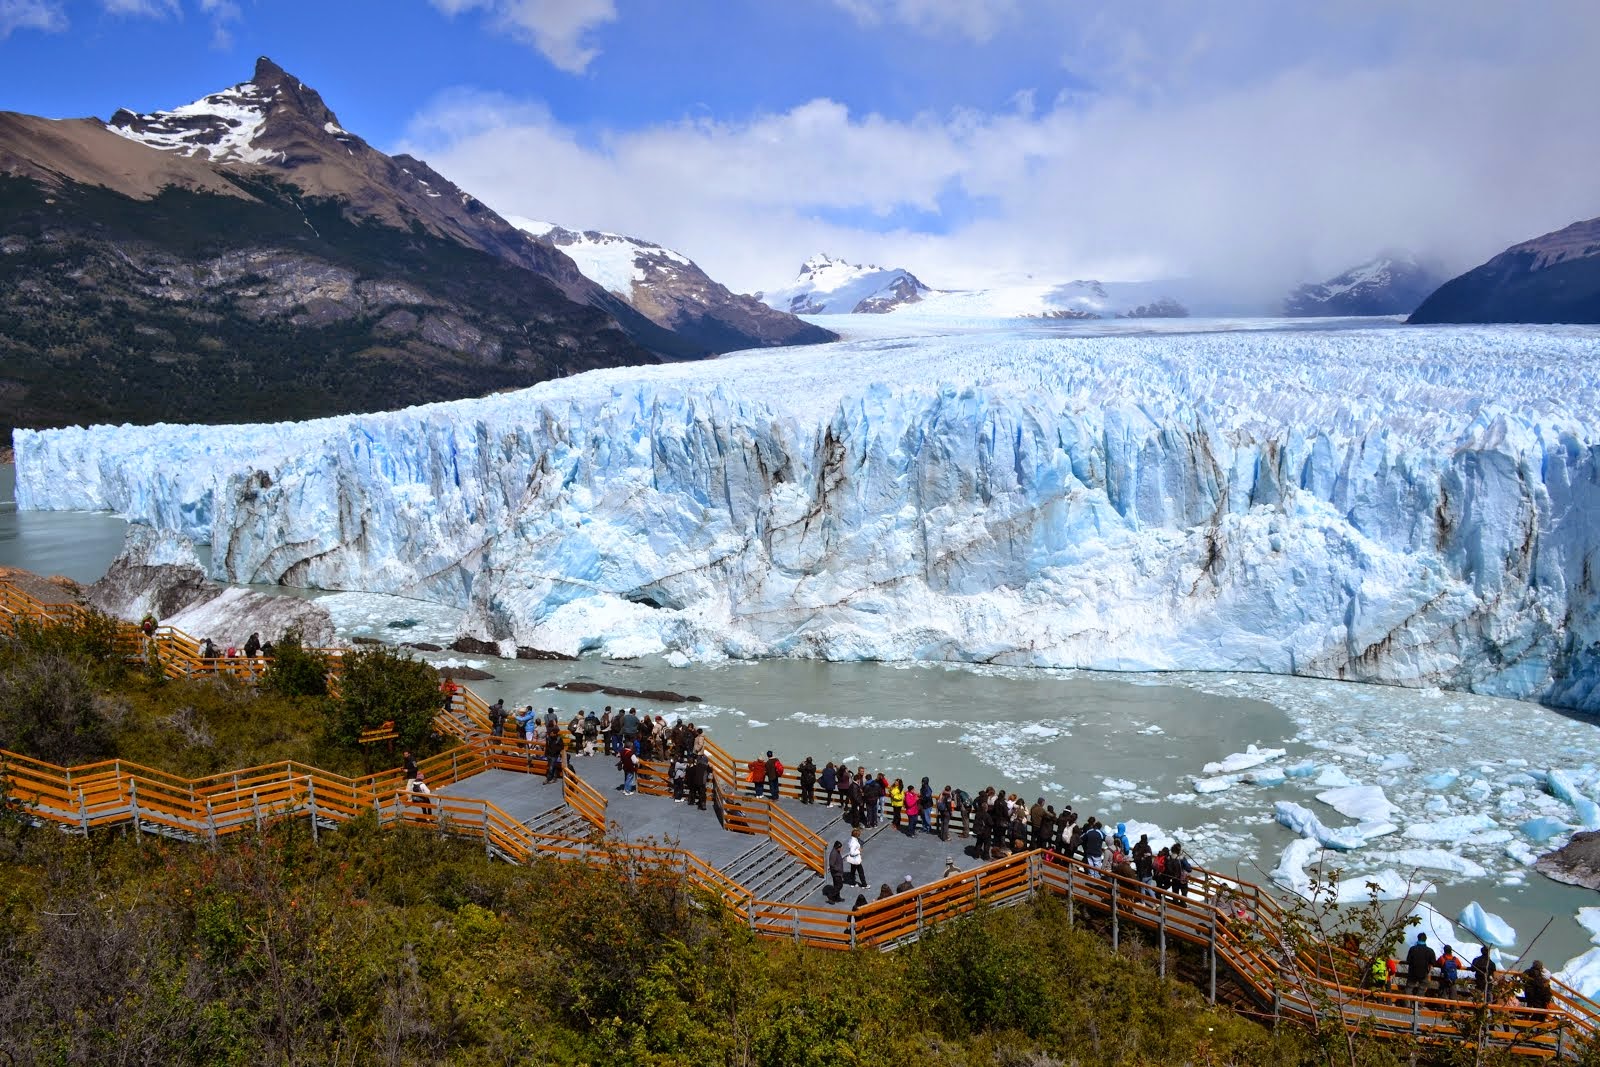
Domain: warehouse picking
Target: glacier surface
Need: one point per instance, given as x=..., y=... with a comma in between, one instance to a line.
x=1410, y=506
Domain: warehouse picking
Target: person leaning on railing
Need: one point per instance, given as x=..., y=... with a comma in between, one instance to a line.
x=1536, y=991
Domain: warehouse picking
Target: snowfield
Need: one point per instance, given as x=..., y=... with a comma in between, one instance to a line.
x=1405, y=505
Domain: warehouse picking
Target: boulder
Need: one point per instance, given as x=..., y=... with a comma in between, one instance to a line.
x=1576, y=863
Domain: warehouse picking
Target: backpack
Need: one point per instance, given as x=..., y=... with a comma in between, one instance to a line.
x=1450, y=968
x=963, y=799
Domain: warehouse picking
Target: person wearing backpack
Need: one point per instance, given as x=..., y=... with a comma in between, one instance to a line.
x=629, y=766
x=808, y=781
x=1094, y=845
x=1449, y=965
x=497, y=718
x=942, y=809
x=1178, y=868
x=774, y=769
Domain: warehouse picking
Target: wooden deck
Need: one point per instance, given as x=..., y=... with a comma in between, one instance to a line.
x=764, y=859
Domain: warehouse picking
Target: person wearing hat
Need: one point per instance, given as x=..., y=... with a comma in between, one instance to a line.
x=774, y=773
x=1536, y=991
x=906, y=885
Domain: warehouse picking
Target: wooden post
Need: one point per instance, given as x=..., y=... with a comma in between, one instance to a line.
x=1162, y=938
x=1072, y=893
x=255, y=805
x=1416, y=1014
x=83, y=813
x=211, y=822
x=455, y=772
x=133, y=805
x=488, y=846
x=1115, y=938
x=919, y=914
x=852, y=930
x=797, y=926
x=311, y=805
x=1211, y=951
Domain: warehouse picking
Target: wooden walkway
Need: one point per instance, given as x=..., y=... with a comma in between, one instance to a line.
x=764, y=859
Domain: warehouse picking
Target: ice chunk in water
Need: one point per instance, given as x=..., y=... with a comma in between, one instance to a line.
x=1395, y=761
x=1392, y=885
x=1455, y=828
x=1439, y=860
x=1543, y=828
x=1305, y=823
x=1441, y=932
x=1240, y=761
x=1563, y=787
x=1291, y=869
x=1441, y=779
x=1487, y=925
x=1364, y=803
x=1301, y=770
x=1264, y=776
x=1217, y=784
x=1334, y=778
x=1582, y=973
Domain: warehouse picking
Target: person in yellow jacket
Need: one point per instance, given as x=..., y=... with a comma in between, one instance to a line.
x=897, y=800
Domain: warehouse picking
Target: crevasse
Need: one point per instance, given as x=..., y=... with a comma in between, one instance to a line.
x=1413, y=506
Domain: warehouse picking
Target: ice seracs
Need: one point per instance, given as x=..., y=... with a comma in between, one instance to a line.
x=1405, y=506
x=1487, y=925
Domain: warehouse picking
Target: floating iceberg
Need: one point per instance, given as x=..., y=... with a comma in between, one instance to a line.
x=1364, y=803
x=1406, y=506
x=1240, y=761
x=1487, y=925
x=1291, y=869
x=1441, y=932
x=1439, y=860
x=1334, y=778
x=1305, y=823
x=1454, y=828
x=1562, y=787
x=1543, y=828
x=1392, y=885
x=1583, y=973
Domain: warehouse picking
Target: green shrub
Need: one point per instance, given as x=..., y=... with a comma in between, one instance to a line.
x=296, y=670
x=379, y=684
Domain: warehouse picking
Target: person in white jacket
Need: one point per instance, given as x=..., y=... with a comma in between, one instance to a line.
x=852, y=859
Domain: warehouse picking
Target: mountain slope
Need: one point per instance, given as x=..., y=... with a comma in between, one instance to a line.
x=671, y=290
x=828, y=286
x=1553, y=278
x=1393, y=283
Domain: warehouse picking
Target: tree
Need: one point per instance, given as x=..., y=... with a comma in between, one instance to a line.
x=379, y=684
x=296, y=670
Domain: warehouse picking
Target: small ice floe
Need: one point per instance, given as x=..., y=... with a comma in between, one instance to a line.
x=1437, y=859
x=676, y=659
x=1441, y=780
x=1291, y=869
x=1487, y=925
x=1241, y=761
x=1040, y=730
x=1521, y=853
x=1333, y=777
x=1120, y=785
x=1304, y=769
x=1562, y=786
x=1543, y=828
x=1305, y=823
x=1454, y=828
x=1363, y=803
x=1395, y=761
x=1217, y=784
x=1392, y=885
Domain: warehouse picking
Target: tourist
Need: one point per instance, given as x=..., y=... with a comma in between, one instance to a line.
x=1162, y=864
x=774, y=769
x=591, y=733
x=1094, y=845
x=1178, y=868
x=408, y=765
x=447, y=691
x=874, y=790
x=830, y=780
x=942, y=808
x=1419, y=966
x=756, y=776
x=861, y=902
x=1536, y=991
x=552, y=755
x=1483, y=969
x=420, y=793
x=925, y=805
x=884, y=892
x=962, y=806
x=699, y=770
x=675, y=778
x=529, y=722
x=808, y=781
x=606, y=727
x=1449, y=965
x=835, y=890
x=950, y=867
x=1377, y=976
x=906, y=885
x=630, y=728
x=497, y=718
x=629, y=766
x=575, y=732
x=1036, y=823
x=897, y=801
x=858, y=869
x=252, y=645
x=913, y=806
x=208, y=650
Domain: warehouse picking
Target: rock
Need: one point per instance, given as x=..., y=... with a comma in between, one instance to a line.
x=54, y=589
x=422, y=646
x=1577, y=863
x=159, y=573
x=465, y=674
x=474, y=647
x=660, y=696
x=524, y=652
x=365, y=641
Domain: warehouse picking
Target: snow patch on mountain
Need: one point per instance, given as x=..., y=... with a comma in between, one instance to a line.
x=1401, y=505
x=1393, y=283
x=221, y=127
x=614, y=261
x=828, y=286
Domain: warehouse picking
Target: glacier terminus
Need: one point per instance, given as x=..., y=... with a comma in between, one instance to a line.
x=1413, y=506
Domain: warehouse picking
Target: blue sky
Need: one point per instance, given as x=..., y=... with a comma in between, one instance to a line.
x=974, y=141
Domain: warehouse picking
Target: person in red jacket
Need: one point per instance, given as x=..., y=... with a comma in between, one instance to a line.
x=757, y=776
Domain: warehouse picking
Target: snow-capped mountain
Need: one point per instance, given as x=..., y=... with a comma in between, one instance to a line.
x=828, y=286
x=1406, y=506
x=671, y=290
x=1553, y=278
x=1392, y=283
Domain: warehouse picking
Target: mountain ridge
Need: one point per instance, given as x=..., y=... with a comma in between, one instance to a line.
x=1552, y=278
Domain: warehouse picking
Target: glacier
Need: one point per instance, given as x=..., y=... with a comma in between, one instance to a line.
x=1414, y=506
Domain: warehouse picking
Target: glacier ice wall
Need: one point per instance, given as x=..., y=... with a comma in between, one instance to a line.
x=1413, y=506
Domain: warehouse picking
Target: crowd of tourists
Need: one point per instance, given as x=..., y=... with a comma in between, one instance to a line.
x=1444, y=975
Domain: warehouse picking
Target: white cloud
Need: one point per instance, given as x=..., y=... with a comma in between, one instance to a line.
x=976, y=19
x=156, y=9
x=556, y=28
x=1251, y=179
x=223, y=14
x=48, y=16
